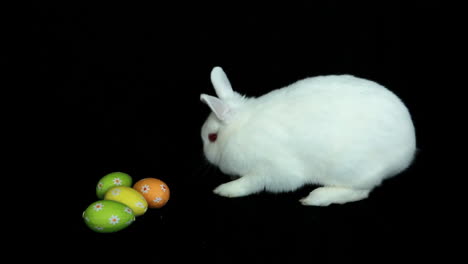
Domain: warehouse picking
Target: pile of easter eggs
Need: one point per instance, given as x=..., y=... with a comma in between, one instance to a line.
x=119, y=203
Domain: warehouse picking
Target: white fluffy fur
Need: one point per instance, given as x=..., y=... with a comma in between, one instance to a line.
x=344, y=133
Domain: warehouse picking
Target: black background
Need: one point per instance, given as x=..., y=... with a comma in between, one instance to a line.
x=125, y=82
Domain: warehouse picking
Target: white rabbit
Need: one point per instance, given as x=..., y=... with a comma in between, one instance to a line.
x=341, y=132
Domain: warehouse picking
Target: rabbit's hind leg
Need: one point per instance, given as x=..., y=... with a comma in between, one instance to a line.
x=324, y=196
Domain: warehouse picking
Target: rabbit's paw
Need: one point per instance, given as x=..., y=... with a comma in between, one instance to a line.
x=241, y=187
x=325, y=196
x=231, y=189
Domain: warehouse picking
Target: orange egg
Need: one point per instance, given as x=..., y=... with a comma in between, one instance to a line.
x=154, y=190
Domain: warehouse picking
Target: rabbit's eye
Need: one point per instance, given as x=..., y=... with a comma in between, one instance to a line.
x=212, y=137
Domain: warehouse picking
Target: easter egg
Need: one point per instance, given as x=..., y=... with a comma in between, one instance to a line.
x=108, y=216
x=128, y=196
x=111, y=180
x=154, y=190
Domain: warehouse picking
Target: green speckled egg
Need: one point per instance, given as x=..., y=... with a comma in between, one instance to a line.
x=112, y=180
x=108, y=216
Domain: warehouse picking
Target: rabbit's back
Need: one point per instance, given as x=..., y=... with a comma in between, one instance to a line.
x=328, y=125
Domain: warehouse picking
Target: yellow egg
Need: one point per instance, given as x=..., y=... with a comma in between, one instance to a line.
x=128, y=196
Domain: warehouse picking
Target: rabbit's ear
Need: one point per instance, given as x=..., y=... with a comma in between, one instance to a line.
x=219, y=108
x=221, y=83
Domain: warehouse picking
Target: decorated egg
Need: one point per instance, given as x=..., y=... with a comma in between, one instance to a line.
x=154, y=190
x=128, y=196
x=108, y=216
x=111, y=180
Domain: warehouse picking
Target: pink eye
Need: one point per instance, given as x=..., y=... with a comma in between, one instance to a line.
x=212, y=137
